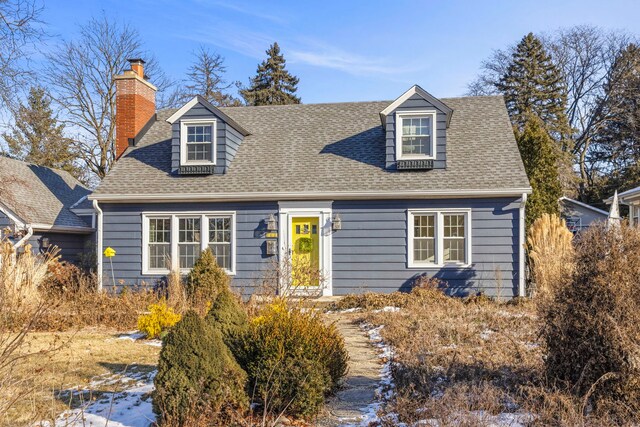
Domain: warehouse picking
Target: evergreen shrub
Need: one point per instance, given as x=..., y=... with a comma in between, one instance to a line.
x=293, y=359
x=197, y=374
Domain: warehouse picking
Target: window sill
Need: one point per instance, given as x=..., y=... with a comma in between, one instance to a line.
x=182, y=272
x=409, y=157
x=452, y=266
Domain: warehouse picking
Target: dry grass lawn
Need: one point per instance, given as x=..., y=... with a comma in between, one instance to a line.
x=61, y=374
x=472, y=362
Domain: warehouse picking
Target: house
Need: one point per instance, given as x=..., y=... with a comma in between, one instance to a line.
x=578, y=215
x=375, y=194
x=44, y=208
x=630, y=198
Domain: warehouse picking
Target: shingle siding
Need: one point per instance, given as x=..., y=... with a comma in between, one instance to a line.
x=416, y=103
x=369, y=252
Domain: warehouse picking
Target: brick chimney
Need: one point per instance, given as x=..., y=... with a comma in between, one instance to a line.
x=135, y=104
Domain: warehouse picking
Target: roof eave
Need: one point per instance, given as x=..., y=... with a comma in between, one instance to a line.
x=329, y=195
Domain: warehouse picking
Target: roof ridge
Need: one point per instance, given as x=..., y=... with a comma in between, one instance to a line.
x=380, y=101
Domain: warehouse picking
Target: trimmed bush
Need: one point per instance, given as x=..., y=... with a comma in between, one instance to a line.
x=159, y=319
x=592, y=326
x=197, y=374
x=205, y=280
x=229, y=317
x=293, y=359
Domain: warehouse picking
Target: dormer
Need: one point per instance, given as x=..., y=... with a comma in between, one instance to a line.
x=416, y=131
x=204, y=139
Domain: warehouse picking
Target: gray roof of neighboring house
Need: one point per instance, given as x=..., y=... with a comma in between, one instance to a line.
x=40, y=195
x=329, y=148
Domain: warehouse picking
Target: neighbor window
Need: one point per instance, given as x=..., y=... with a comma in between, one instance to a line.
x=159, y=242
x=188, y=241
x=197, y=140
x=438, y=238
x=415, y=136
x=177, y=240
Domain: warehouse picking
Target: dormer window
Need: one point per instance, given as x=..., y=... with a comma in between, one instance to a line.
x=198, y=142
x=415, y=135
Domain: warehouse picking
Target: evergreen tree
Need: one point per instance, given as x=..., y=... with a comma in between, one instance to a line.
x=37, y=137
x=206, y=78
x=533, y=84
x=273, y=84
x=539, y=156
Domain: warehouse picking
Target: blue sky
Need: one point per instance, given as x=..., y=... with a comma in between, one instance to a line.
x=345, y=50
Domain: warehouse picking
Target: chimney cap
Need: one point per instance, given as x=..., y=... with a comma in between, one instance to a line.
x=136, y=61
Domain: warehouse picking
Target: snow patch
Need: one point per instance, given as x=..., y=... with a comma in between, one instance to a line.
x=387, y=309
x=127, y=407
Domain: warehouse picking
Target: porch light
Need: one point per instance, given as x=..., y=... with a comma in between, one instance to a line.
x=271, y=223
x=45, y=243
x=336, y=223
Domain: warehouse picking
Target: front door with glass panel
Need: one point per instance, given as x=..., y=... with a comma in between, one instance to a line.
x=305, y=252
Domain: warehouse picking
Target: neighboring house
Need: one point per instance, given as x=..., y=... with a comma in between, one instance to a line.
x=375, y=194
x=580, y=215
x=630, y=198
x=44, y=207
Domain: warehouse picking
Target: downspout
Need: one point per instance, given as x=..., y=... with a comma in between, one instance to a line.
x=99, y=244
x=521, y=255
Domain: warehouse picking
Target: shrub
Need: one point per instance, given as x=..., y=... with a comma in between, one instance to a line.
x=159, y=319
x=205, y=280
x=229, y=317
x=592, y=326
x=197, y=374
x=551, y=253
x=292, y=358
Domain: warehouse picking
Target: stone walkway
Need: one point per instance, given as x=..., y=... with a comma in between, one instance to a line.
x=346, y=407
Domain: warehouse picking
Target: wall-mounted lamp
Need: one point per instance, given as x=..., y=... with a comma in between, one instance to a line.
x=336, y=222
x=45, y=243
x=271, y=223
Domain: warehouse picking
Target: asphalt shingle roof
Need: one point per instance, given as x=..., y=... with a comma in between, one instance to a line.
x=40, y=195
x=329, y=148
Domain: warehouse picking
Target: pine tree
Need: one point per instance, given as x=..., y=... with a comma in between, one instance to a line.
x=539, y=156
x=533, y=84
x=273, y=84
x=37, y=137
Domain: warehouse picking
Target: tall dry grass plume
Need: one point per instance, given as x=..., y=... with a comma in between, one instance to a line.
x=551, y=254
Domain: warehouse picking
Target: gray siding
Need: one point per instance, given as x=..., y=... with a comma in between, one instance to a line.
x=70, y=245
x=416, y=102
x=369, y=252
x=123, y=231
x=5, y=221
x=228, y=139
x=587, y=216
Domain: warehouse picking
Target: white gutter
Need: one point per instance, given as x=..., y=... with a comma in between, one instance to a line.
x=347, y=195
x=521, y=254
x=99, y=244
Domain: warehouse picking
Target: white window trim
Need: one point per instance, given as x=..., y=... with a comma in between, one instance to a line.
x=439, y=246
x=204, y=239
x=434, y=131
x=183, y=141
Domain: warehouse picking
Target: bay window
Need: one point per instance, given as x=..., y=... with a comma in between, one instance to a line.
x=439, y=238
x=176, y=240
